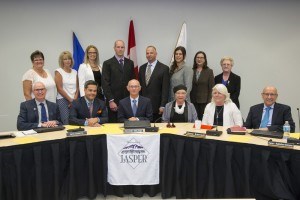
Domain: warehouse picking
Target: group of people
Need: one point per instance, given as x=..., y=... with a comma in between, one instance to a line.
x=111, y=93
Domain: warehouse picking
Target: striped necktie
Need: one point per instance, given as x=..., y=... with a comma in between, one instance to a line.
x=148, y=74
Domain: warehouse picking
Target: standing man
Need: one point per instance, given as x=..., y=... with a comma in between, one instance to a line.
x=269, y=115
x=116, y=73
x=134, y=107
x=155, y=81
x=38, y=112
x=88, y=110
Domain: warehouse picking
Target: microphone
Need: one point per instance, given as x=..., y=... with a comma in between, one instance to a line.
x=154, y=128
x=215, y=132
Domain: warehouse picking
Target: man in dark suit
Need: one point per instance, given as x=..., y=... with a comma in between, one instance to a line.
x=134, y=107
x=38, y=112
x=88, y=110
x=269, y=115
x=116, y=73
x=155, y=81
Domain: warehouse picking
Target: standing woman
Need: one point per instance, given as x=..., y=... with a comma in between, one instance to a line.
x=90, y=70
x=38, y=74
x=203, y=82
x=229, y=79
x=67, y=85
x=180, y=73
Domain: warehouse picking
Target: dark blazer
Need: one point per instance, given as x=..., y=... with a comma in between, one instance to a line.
x=79, y=111
x=157, y=89
x=233, y=86
x=115, y=79
x=28, y=117
x=281, y=113
x=144, y=110
x=202, y=88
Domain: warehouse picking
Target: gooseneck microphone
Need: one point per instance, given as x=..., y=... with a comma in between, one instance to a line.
x=154, y=128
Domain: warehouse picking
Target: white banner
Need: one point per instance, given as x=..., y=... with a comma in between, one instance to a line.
x=133, y=159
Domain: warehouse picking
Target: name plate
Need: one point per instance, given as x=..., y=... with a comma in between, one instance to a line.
x=76, y=133
x=134, y=130
x=280, y=145
x=195, y=134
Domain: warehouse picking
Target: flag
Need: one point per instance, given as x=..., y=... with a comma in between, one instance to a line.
x=78, y=53
x=131, y=53
x=181, y=41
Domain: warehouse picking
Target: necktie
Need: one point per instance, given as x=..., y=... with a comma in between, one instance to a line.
x=121, y=63
x=148, y=74
x=43, y=113
x=265, y=120
x=134, y=107
x=90, y=108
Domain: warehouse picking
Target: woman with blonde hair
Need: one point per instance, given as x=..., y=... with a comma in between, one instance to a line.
x=222, y=111
x=67, y=85
x=90, y=70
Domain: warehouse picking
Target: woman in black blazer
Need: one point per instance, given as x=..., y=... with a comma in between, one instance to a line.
x=229, y=79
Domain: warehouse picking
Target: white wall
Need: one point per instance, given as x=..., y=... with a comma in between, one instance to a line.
x=262, y=36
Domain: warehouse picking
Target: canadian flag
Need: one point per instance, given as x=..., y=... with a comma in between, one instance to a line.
x=132, y=49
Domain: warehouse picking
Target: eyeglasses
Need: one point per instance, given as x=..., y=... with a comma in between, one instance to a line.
x=92, y=53
x=39, y=90
x=171, y=125
x=200, y=57
x=269, y=94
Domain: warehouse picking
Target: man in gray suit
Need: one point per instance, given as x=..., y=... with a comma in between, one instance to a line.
x=38, y=112
x=155, y=81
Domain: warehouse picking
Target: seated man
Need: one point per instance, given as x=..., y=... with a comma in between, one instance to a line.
x=38, y=112
x=269, y=115
x=88, y=110
x=134, y=107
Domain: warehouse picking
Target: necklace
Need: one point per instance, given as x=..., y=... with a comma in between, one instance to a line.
x=218, y=112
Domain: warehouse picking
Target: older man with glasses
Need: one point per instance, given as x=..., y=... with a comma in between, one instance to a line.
x=38, y=112
x=135, y=107
x=269, y=115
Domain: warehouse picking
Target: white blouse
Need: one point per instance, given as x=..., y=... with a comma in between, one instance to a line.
x=69, y=82
x=49, y=83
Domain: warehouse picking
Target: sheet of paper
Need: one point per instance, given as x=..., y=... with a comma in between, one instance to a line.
x=71, y=127
x=29, y=132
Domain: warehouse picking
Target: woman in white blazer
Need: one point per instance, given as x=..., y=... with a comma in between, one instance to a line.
x=222, y=111
x=90, y=70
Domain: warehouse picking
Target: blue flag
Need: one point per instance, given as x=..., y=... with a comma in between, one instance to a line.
x=78, y=53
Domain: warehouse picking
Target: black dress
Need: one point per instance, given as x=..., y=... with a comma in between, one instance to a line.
x=97, y=77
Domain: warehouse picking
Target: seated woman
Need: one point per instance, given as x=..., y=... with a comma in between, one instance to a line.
x=179, y=110
x=222, y=111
